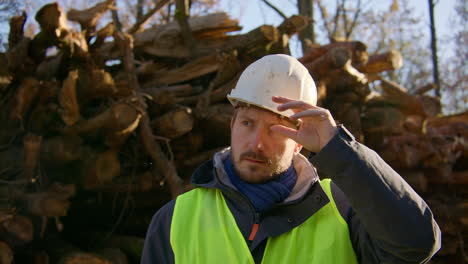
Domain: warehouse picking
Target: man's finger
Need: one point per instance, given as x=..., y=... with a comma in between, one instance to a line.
x=294, y=105
x=281, y=99
x=311, y=113
x=286, y=131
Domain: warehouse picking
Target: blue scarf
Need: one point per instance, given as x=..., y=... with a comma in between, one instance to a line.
x=263, y=195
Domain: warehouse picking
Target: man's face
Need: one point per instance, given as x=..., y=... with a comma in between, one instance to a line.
x=258, y=153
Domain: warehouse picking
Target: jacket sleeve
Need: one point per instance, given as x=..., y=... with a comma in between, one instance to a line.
x=157, y=248
x=390, y=222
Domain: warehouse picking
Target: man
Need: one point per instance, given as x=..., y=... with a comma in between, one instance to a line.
x=261, y=201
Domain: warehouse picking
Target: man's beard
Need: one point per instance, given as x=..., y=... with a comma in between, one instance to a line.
x=273, y=167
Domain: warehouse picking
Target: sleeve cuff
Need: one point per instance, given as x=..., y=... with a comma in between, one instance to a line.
x=333, y=155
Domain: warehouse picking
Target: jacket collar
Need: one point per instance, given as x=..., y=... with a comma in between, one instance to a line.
x=204, y=176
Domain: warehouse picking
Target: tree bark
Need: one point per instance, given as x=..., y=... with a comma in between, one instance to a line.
x=6, y=254
x=165, y=166
x=16, y=30
x=435, y=61
x=307, y=35
x=357, y=49
x=182, y=15
x=17, y=231
x=68, y=99
x=175, y=123
x=195, y=68
x=100, y=168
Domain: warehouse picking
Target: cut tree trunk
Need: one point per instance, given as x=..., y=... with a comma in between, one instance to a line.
x=167, y=41
x=132, y=246
x=175, y=123
x=398, y=96
x=114, y=255
x=17, y=231
x=16, y=29
x=191, y=70
x=257, y=38
x=88, y=18
x=382, y=119
x=24, y=97
x=377, y=63
x=62, y=149
x=52, y=202
x=100, y=168
x=335, y=58
x=96, y=83
x=293, y=25
x=32, y=147
x=68, y=99
x=63, y=252
x=350, y=80
x=51, y=67
x=117, y=122
x=357, y=49
x=6, y=254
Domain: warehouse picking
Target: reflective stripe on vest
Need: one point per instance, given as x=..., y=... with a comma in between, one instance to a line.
x=204, y=231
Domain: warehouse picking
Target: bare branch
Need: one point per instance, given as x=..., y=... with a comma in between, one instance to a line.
x=115, y=18
x=146, y=17
x=355, y=18
x=344, y=18
x=336, y=19
x=275, y=8
x=323, y=13
x=139, y=8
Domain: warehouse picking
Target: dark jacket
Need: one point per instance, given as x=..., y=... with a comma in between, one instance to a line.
x=387, y=220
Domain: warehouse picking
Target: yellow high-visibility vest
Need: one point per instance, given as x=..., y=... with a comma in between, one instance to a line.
x=204, y=231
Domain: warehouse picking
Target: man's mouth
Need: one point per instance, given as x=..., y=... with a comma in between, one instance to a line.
x=253, y=157
x=255, y=161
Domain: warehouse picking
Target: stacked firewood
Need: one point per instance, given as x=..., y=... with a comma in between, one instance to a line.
x=429, y=150
x=100, y=127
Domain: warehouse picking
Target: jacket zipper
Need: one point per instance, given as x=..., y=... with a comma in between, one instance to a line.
x=255, y=226
x=256, y=215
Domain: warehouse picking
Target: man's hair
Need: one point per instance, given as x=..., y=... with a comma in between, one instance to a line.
x=240, y=105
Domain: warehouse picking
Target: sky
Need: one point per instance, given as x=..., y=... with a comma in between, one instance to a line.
x=252, y=14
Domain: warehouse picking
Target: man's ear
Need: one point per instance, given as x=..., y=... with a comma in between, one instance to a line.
x=298, y=148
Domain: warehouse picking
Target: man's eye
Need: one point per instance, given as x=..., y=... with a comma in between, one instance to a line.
x=246, y=123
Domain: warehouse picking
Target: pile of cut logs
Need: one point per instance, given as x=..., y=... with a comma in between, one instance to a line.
x=407, y=129
x=100, y=127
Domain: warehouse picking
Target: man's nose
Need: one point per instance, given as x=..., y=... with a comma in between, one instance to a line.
x=258, y=139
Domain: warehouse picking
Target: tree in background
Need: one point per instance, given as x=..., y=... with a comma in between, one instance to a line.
x=126, y=14
x=454, y=72
x=307, y=35
x=396, y=27
x=346, y=17
x=400, y=29
x=435, y=60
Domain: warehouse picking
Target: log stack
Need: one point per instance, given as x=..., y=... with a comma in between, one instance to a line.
x=406, y=128
x=103, y=127
x=430, y=152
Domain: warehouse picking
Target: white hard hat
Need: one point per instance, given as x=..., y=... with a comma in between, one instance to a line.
x=274, y=75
